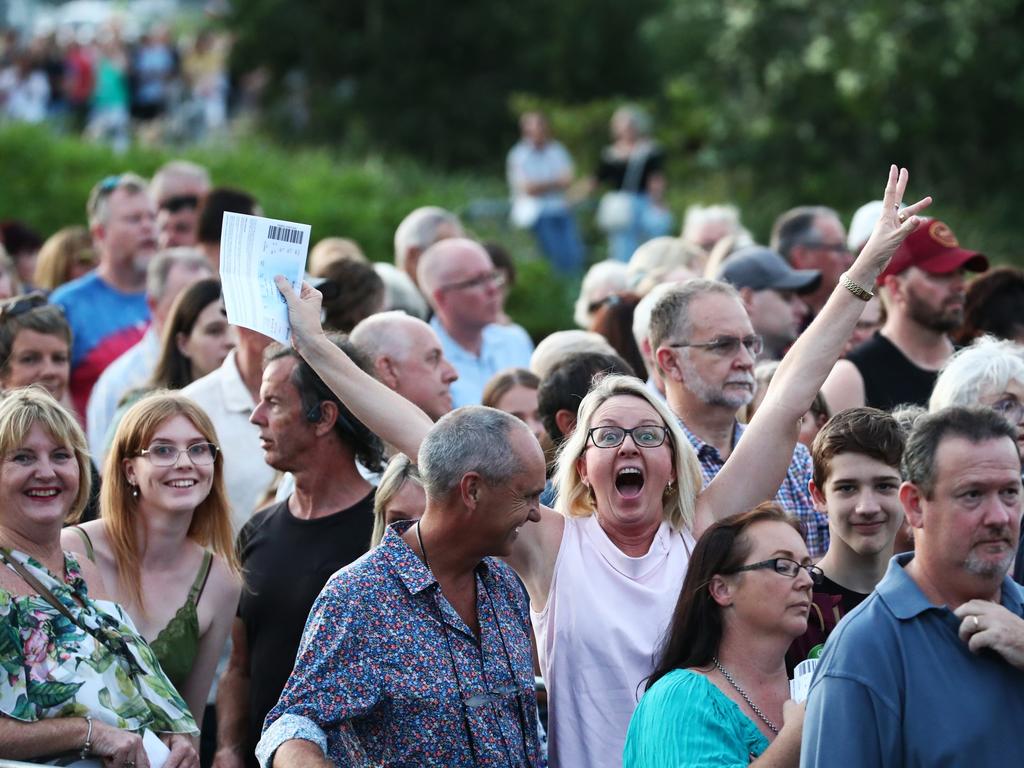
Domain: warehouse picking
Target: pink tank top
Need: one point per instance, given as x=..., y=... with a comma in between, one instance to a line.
x=599, y=634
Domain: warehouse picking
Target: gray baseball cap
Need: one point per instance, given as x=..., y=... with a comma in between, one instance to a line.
x=760, y=268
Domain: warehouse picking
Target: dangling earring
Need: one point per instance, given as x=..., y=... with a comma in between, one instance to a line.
x=135, y=490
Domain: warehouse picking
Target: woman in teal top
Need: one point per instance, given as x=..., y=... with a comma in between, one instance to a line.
x=719, y=693
x=163, y=542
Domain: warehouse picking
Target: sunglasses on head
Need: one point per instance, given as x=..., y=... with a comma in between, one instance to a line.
x=21, y=305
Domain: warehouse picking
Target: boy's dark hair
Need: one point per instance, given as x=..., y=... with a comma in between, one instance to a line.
x=867, y=431
x=568, y=383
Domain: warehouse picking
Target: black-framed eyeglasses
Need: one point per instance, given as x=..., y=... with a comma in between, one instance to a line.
x=785, y=567
x=23, y=304
x=727, y=346
x=644, y=436
x=166, y=455
x=495, y=278
x=1010, y=408
x=834, y=247
x=177, y=203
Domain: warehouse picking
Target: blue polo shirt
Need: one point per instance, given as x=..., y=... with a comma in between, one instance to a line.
x=504, y=346
x=897, y=687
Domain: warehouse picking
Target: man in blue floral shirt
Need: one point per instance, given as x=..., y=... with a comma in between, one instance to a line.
x=418, y=654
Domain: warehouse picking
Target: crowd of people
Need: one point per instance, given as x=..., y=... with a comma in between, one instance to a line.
x=414, y=538
x=111, y=88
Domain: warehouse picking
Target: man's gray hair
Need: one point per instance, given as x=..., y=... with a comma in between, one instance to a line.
x=175, y=174
x=986, y=367
x=420, y=229
x=671, y=314
x=160, y=267
x=975, y=424
x=798, y=226
x=470, y=439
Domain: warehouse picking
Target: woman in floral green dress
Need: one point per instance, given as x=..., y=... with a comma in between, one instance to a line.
x=75, y=676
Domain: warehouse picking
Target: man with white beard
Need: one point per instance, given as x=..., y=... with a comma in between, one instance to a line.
x=706, y=347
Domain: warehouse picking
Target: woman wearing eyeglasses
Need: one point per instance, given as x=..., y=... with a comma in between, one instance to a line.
x=163, y=542
x=603, y=574
x=719, y=693
x=77, y=679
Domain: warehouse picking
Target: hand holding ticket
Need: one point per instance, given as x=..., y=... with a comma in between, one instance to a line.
x=253, y=250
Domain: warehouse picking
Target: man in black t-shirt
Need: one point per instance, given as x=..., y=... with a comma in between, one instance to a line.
x=288, y=551
x=923, y=289
x=856, y=483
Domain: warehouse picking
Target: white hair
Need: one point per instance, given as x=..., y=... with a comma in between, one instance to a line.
x=660, y=255
x=554, y=348
x=697, y=216
x=419, y=230
x=603, y=279
x=642, y=317
x=986, y=367
x=400, y=292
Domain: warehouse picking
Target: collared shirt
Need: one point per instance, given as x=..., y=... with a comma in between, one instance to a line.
x=130, y=370
x=529, y=164
x=896, y=686
x=794, y=495
x=227, y=401
x=504, y=346
x=389, y=674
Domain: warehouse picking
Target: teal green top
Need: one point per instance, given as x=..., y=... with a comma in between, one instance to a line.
x=177, y=644
x=685, y=721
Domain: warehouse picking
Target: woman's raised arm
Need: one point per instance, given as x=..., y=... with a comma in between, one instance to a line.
x=756, y=469
x=394, y=419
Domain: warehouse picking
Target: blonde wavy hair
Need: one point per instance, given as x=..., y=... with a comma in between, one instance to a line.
x=23, y=408
x=679, y=500
x=211, y=521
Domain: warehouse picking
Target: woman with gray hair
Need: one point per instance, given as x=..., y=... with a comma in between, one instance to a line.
x=989, y=372
x=604, y=570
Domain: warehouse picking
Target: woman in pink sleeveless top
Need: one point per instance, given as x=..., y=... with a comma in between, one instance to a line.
x=604, y=571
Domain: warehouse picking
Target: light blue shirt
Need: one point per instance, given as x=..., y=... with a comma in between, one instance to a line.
x=504, y=346
x=896, y=686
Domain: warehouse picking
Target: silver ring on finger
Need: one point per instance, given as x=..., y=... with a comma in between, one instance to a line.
x=977, y=624
x=901, y=216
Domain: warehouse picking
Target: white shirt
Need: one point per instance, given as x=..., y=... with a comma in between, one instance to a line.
x=130, y=370
x=225, y=398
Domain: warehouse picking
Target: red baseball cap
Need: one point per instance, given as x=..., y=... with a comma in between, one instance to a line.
x=934, y=248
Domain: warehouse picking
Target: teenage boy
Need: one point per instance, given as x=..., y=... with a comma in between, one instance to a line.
x=856, y=481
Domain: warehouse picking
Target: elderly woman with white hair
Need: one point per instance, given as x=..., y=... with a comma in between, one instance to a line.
x=604, y=570
x=988, y=372
x=602, y=280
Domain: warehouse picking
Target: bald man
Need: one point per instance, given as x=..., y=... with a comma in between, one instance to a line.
x=464, y=289
x=406, y=355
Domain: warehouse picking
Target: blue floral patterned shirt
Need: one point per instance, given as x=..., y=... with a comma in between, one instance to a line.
x=389, y=674
x=794, y=496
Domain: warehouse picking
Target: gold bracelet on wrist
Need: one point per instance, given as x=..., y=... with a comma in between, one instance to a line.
x=859, y=291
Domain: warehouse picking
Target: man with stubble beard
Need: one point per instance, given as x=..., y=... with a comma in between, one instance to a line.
x=705, y=347
x=923, y=292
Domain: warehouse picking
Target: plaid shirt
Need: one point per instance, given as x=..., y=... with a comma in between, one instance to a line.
x=794, y=495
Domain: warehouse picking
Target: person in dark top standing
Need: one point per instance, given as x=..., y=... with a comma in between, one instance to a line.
x=924, y=299
x=856, y=483
x=288, y=551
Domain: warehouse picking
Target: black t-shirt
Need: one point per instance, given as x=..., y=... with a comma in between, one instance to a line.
x=890, y=379
x=830, y=603
x=613, y=168
x=286, y=562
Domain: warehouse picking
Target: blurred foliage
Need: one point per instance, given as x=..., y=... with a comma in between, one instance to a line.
x=47, y=179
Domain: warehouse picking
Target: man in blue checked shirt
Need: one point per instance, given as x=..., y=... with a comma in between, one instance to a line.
x=418, y=654
x=706, y=347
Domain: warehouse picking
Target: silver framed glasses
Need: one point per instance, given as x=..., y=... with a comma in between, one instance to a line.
x=166, y=455
x=727, y=346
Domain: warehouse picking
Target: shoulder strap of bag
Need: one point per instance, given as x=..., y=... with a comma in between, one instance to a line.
x=634, y=171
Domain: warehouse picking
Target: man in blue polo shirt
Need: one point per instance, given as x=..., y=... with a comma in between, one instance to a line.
x=464, y=289
x=929, y=670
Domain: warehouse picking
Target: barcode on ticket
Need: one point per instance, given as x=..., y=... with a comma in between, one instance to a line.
x=285, y=234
